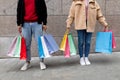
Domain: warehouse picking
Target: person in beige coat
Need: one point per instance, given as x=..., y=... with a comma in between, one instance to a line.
x=84, y=14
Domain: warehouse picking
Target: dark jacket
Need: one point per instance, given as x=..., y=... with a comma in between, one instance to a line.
x=41, y=11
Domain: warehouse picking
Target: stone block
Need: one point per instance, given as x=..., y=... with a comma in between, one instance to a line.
x=8, y=26
x=112, y=7
x=66, y=6
x=102, y=5
x=54, y=7
x=114, y=22
x=8, y=7
x=57, y=25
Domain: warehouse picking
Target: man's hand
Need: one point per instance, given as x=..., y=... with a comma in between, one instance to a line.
x=44, y=27
x=19, y=29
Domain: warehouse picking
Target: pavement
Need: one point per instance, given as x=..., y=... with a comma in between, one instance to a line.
x=103, y=67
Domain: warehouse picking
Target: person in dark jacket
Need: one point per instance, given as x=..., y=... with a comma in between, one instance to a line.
x=31, y=20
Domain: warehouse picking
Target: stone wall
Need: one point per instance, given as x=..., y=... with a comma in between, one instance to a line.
x=57, y=11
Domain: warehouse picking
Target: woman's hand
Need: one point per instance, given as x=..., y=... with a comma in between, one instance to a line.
x=106, y=28
x=67, y=30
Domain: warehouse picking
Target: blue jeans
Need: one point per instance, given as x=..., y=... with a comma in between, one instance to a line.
x=84, y=40
x=29, y=29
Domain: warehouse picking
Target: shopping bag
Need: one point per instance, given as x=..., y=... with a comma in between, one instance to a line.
x=67, y=49
x=51, y=43
x=40, y=48
x=12, y=47
x=73, y=50
x=23, y=49
x=45, y=49
x=63, y=42
x=17, y=47
x=113, y=40
x=104, y=42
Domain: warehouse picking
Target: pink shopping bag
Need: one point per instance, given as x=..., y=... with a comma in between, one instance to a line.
x=12, y=47
x=67, y=49
x=113, y=40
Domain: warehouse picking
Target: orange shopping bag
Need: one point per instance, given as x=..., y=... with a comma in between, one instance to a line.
x=63, y=42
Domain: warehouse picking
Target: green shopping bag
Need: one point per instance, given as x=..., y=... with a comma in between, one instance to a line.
x=73, y=50
x=17, y=47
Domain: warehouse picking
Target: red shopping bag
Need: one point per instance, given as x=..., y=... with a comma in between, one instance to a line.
x=23, y=49
x=113, y=39
x=67, y=49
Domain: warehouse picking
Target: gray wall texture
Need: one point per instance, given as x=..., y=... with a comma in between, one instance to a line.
x=57, y=14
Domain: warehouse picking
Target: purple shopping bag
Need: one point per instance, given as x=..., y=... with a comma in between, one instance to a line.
x=51, y=43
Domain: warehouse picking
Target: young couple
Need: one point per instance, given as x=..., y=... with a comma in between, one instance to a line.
x=32, y=20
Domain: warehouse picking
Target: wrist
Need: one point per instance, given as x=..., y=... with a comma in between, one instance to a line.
x=44, y=25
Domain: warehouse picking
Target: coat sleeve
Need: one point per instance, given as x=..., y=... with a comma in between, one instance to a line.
x=71, y=15
x=42, y=11
x=18, y=13
x=100, y=16
x=44, y=19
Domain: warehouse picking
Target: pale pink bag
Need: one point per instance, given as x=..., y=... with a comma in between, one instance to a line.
x=12, y=47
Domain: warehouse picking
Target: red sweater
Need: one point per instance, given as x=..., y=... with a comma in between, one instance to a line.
x=30, y=13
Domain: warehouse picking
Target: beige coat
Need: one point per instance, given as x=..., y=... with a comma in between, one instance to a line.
x=77, y=14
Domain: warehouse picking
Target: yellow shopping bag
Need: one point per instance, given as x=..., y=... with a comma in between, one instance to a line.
x=63, y=42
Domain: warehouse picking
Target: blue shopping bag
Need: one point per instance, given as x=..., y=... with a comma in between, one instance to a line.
x=51, y=43
x=45, y=48
x=104, y=42
x=40, y=48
